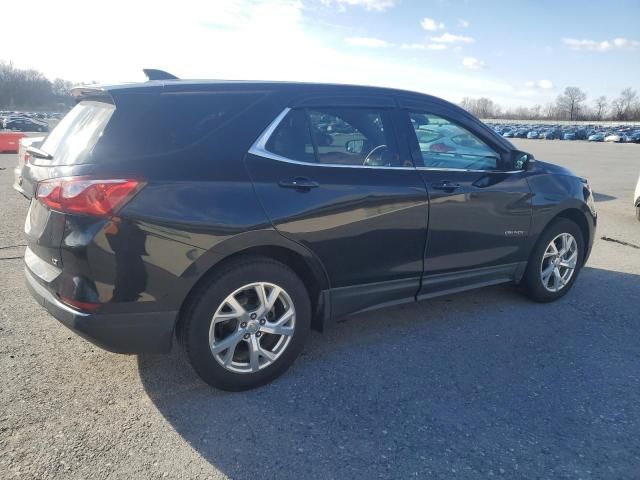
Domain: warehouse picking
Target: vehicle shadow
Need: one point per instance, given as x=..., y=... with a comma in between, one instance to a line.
x=478, y=382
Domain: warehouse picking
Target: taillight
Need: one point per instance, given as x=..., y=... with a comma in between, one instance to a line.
x=87, y=196
x=25, y=158
x=86, y=306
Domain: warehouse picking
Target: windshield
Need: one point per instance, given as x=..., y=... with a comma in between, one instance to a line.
x=77, y=133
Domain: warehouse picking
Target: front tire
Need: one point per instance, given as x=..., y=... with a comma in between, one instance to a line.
x=247, y=324
x=555, y=262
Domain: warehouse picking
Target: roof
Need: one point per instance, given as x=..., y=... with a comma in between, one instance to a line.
x=265, y=85
x=293, y=90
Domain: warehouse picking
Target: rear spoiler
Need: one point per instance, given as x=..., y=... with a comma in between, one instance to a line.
x=89, y=92
x=105, y=93
x=153, y=74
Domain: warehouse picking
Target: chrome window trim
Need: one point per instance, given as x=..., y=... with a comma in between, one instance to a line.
x=259, y=148
x=467, y=170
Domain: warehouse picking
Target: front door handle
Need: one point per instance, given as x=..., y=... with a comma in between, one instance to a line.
x=299, y=183
x=446, y=186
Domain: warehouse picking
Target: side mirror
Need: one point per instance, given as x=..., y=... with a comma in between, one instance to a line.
x=522, y=160
x=354, y=146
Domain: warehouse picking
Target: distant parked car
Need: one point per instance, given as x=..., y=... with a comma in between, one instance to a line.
x=9, y=141
x=552, y=135
x=612, y=138
x=25, y=125
x=581, y=134
x=533, y=134
x=569, y=136
x=596, y=137
x=521, y=133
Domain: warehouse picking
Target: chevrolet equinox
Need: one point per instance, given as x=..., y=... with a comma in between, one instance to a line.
x=239, y=215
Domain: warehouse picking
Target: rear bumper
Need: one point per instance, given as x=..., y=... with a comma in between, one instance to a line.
x=119, y=333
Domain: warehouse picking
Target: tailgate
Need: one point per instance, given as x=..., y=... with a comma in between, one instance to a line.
x=68, y=145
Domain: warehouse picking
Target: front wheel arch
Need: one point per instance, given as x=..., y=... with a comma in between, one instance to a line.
x=576, y=216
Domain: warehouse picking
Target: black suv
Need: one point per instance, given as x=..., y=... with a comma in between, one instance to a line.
x=238, y=215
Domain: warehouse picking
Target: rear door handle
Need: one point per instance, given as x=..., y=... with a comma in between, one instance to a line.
x=299, y=183
x=446, y=186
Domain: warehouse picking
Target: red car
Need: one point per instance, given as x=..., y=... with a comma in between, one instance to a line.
x=10, y=141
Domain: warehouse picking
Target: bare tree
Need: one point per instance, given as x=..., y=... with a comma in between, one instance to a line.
x=601, y=106
x=550, y=110
x=30, y=89
x=624, y=105
x=481, y=107
x=570, y=102
x=570, y=105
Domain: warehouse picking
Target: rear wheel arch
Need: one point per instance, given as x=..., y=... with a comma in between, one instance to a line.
x=309, y=270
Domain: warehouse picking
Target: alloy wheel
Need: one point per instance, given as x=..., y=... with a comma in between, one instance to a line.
x=252, y=327
x=559, y=262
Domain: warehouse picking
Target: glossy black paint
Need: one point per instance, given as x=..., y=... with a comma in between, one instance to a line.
x=359, y=238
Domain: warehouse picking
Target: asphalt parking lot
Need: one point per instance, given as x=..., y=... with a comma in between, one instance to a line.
x=474, y=385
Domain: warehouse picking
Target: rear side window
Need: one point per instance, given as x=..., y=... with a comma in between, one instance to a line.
x=337, y=136
x=148, y=125
x=292, y=138
x=354, y=136
x=76, y=135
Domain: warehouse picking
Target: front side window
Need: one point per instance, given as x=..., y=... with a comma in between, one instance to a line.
x=444, y=144
x=337, y=136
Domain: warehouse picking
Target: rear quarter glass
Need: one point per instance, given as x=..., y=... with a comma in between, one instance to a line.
x=73, y=139
x=155, y=124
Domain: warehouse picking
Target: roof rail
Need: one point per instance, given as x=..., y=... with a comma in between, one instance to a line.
x=153, y=74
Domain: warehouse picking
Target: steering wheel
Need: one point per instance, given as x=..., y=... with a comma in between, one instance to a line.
x=379, y=149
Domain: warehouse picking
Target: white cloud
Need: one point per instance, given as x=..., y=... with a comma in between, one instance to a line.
x=473, y=63
x=240, y=36
x=377, y=5
x=367, y=42
x=541, y=84
x=601, y=46
x=423, y=46
x=450, y=38
x=463, y=23
x=431, y=25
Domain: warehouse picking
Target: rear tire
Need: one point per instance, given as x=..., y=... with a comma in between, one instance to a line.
x=638, y=213
x=247, y=324
x=552, y=271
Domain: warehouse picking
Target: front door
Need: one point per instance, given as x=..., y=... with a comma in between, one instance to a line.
x=480, y=208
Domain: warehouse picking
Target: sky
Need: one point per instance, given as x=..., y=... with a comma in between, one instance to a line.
x=514, y=52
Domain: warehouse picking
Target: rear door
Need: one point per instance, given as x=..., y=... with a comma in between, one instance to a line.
x=480, y=207
x=333, y=177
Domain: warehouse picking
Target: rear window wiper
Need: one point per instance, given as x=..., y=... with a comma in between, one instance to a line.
x=38, y=153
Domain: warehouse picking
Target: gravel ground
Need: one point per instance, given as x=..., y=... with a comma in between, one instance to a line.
x=473, y=385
